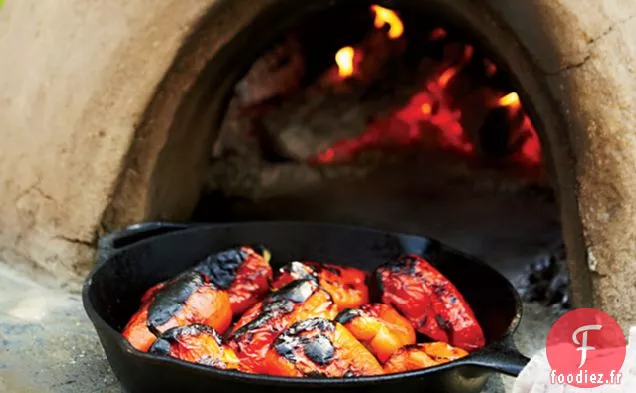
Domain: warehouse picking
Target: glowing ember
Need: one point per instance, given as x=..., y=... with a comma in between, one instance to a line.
x=530, y=151
x=426, y=109
x=430, y=111
x=438, y=34
x=344, y=60
x=511, y=100
x=491, y=68
x=384, y=16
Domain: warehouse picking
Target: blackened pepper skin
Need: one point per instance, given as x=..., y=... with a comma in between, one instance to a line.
x=346, y=285
x=196, y=344
x=244, y=272
x=171, y=298
x=185, y=300
x=430, y=301
x=254, y=333
x=318, y=347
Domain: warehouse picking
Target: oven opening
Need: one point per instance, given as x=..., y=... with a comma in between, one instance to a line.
x=396, y=119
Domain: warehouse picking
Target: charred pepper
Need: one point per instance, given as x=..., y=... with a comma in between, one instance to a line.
x=258, y=328
x=318, y=347
x=346, y=285
x=430, y=301
x=187, y=299
x=379, y=327
x=243, y=271
x=196, y=344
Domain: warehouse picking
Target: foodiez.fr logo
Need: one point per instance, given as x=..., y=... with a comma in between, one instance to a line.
x=586, y=348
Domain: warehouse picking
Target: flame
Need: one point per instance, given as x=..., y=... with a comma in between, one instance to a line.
x=511, y=100
x=530, y=151
x=446, y=76
x=384, y=16
x=344, y=60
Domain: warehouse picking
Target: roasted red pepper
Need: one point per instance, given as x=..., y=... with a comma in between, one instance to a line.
x=197, y=344
x=187, y=299
x=244, y=272
x=256, y=330
x=379, y=327
x=137, y=332
x=318, y=347
x=419, y=356
x=430, y=301
x=346, y=285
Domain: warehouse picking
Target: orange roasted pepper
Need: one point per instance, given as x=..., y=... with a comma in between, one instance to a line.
x=346, y=285
x=253, y=334
x=419, y=356
x=187, y=299
x=318, y=347
x=379, y=327
x=196, y=344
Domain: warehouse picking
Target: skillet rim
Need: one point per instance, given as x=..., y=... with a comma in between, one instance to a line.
x=263, y=379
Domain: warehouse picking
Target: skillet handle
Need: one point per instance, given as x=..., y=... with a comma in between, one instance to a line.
x=113, y=242
x=503, y=357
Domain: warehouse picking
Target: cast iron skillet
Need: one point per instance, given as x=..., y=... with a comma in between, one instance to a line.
x=132, y=260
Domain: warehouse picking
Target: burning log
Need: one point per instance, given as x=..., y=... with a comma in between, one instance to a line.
x=364, y=84
x=309, y=125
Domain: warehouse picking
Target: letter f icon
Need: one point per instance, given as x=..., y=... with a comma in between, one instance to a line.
x=583, y=344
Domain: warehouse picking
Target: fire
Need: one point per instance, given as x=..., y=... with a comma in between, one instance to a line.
x=344, y=60
x=448, y=74
x=511, y=100
x=530, y=151
x=433, y=116
x=385, y=16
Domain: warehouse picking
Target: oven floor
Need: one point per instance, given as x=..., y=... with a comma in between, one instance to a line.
x=47, y=344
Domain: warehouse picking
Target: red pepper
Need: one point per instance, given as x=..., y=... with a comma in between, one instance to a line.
x=196, y=344
x=187, y=299
x=244, y=272
x=430, y=301
x=346, y=285
x=319, y=347
x=254, y=333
